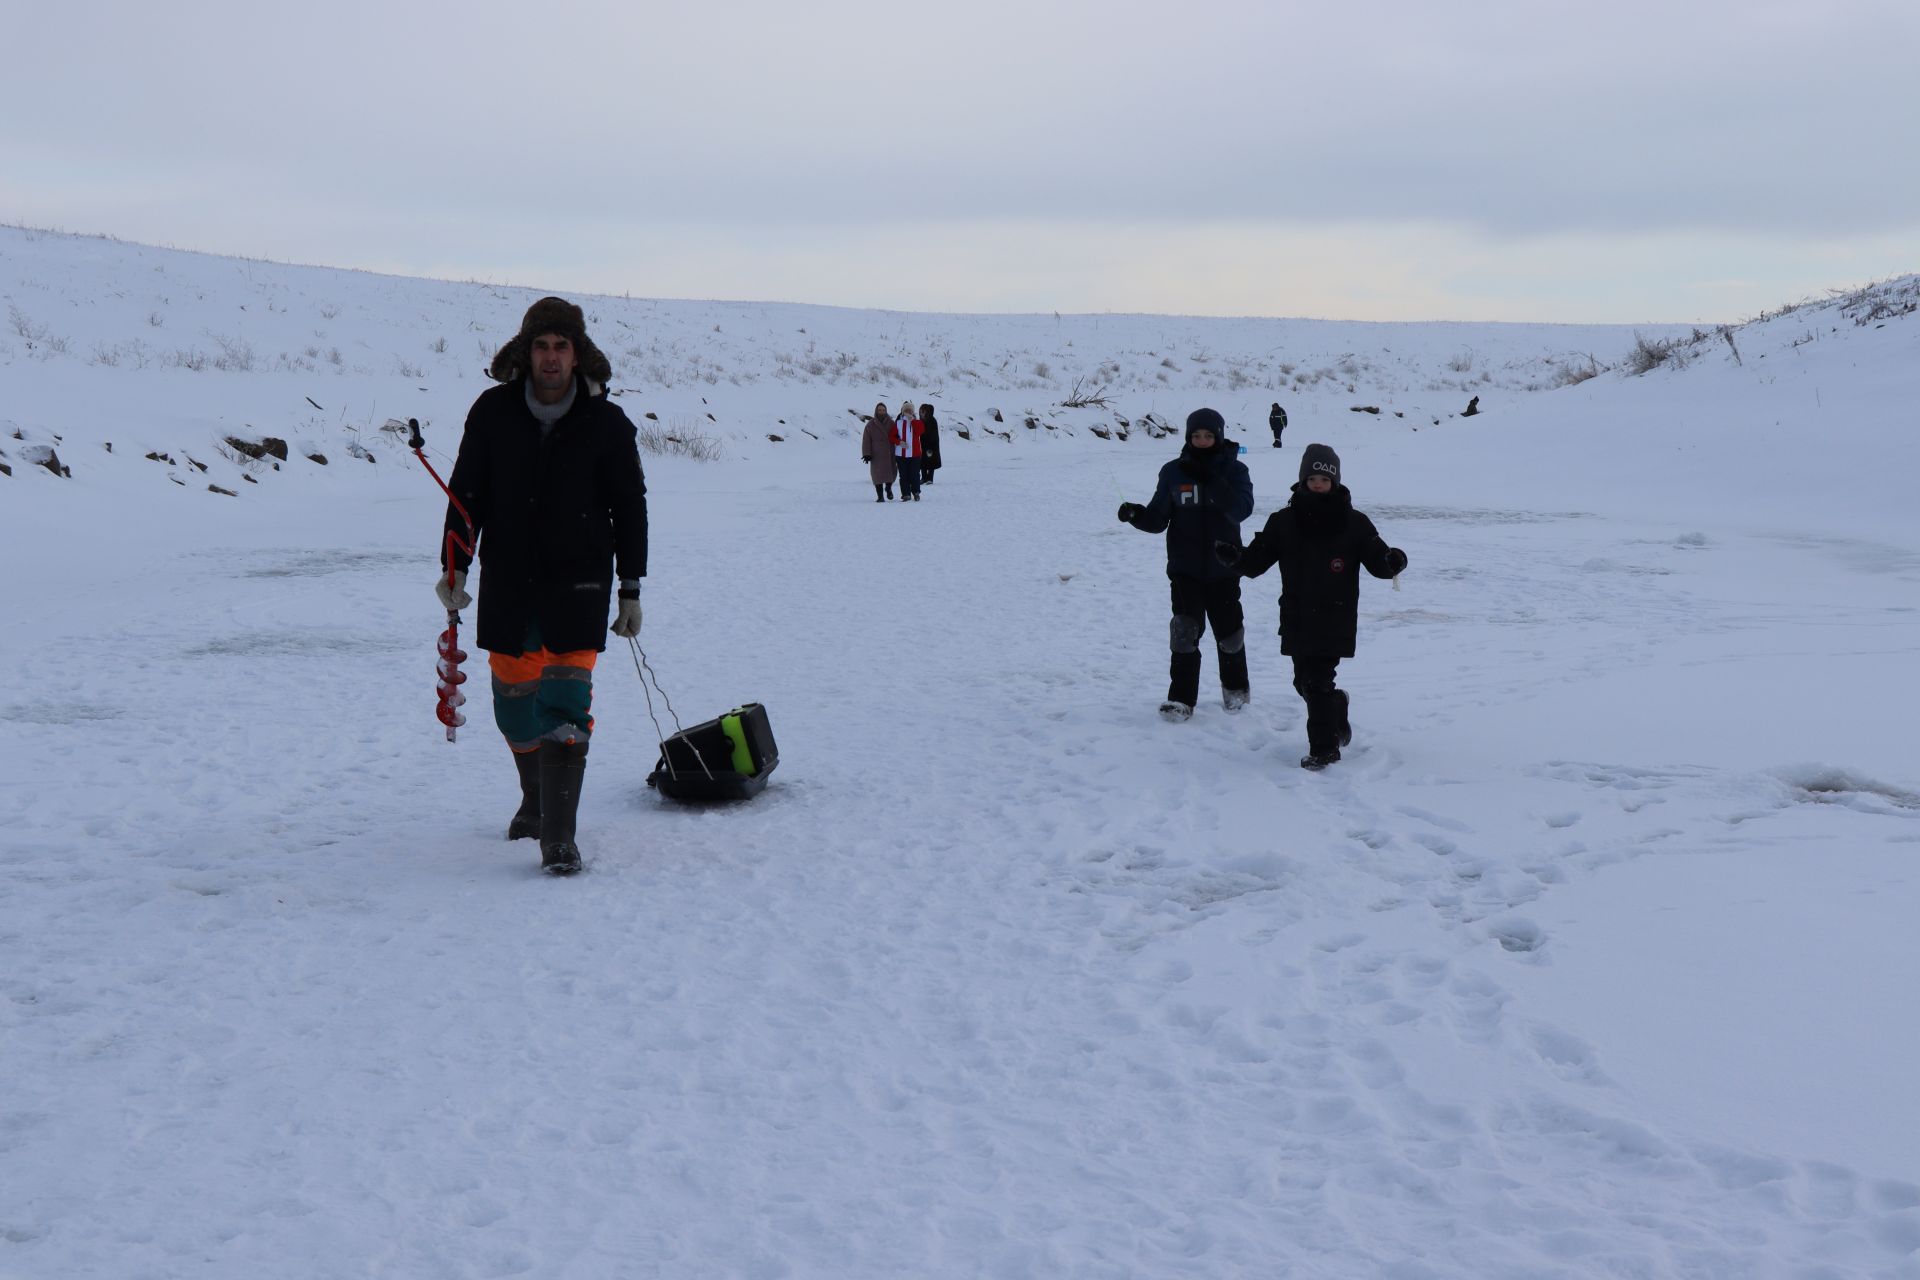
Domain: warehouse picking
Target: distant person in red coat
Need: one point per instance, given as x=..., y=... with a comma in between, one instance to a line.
x=907, y=432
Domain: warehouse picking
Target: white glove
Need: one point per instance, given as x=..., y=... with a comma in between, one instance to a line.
x=453, y=595
x=626, y=624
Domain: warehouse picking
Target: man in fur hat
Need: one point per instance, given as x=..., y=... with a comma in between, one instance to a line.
x=549, y=471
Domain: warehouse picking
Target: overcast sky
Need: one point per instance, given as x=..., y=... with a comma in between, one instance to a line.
x=1640, y=160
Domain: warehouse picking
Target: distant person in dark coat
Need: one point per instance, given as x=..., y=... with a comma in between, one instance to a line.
x=1319, y=541
x=549, y=471
x=929, y=444
x=1200, y=500
x=1278, y=421
x=876, y=450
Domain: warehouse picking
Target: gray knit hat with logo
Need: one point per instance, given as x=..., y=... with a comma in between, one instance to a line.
x=1320, y=460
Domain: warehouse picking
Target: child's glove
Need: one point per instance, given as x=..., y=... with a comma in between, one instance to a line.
x=866, y=457
x=1396, y=560
x=1128, y=510
x=1225, y=552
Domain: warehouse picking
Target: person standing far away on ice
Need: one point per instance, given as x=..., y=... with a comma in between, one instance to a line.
x=1277, y=419
x=1319, y=541
x=1200, y=500
x=929, y=444
x=876, y=450
x=549, y=471
x=906, y=451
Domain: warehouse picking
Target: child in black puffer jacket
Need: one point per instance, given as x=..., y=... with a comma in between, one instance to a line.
x=1200, y=500
x=1319, y=541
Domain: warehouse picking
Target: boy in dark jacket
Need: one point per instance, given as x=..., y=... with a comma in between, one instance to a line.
x=1319, y=541
x=1202, y=497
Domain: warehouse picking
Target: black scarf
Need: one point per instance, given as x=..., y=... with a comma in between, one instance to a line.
x=1199, y=464
x=1320, y=514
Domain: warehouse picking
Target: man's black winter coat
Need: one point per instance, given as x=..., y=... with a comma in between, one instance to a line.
x=1202, y=497
x=1320, y=542
x=554, y=511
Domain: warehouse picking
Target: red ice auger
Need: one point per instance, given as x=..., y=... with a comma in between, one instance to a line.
x=451, y=677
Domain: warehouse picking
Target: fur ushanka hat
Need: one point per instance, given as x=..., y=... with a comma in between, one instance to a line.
x=551, y=315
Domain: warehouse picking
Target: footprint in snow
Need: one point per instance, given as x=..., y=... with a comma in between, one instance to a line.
x=1828, y=785
x=1433, y=819
x=1517, y=934
x=1741, y=1170
x=1570, y=1056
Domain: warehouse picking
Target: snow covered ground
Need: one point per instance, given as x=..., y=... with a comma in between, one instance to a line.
x=1595, y=957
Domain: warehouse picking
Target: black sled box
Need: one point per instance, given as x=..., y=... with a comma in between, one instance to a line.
x=727, y=758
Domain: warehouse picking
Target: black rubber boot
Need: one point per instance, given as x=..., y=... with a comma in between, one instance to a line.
x=1183, y=677
x=876, y=494
x=1323, y=729
x=525, y=824
x=1183, y=659
x=1234, y=686
x=1326, y=710
x=563, y=767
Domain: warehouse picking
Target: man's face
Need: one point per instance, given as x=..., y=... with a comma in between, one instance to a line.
x=1320, y=483
x=552, y=357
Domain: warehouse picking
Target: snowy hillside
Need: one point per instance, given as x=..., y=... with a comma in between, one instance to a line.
x=208, y=347
x=1594, y=957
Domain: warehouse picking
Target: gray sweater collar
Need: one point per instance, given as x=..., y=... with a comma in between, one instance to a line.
x=548, y=414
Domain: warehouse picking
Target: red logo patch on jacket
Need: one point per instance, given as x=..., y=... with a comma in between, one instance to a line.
x=1188, y=495
x=1339, y=565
